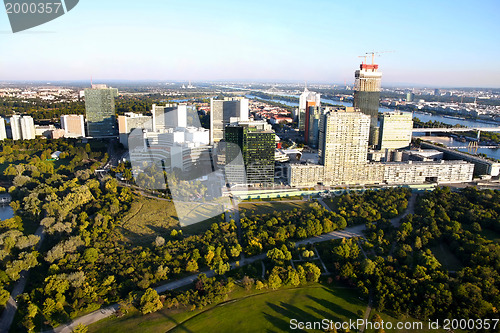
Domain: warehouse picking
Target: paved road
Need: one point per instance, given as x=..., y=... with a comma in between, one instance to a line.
x=11, y=307
x=88, y=319
x=356, y=231
x=409, y=210
x=350, y=232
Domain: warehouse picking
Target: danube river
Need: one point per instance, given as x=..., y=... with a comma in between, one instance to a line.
x=6, y=212
x=425, y=117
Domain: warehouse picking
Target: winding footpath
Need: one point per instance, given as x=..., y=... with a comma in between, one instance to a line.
x=11, y=307
x=350, y=232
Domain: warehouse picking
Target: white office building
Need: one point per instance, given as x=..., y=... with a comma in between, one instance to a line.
x=73, y=125
x=3, y=132
x=395, y=130
x=223, y=113
x=22, y=128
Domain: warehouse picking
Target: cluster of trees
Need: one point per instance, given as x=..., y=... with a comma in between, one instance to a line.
x=411, y=280
x=30, y=174
x=372, y=205
x=40, y=109
x=112, y=268
x=289, y=276
x=264, y=232
x=86, y=262
x=47, y=193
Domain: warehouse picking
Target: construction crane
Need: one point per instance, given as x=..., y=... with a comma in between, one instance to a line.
x=376, y=53
x=364, y=57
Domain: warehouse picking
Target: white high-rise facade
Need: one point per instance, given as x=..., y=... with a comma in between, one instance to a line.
x=344, y=138
x=73, y=125
x=3, y=132
x=22, y=128
x=15, y=127
x=169, y=116
x=223, y=113
x=395, y=130
x=27, y=128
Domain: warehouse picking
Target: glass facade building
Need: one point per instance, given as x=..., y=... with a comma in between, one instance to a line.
x=257, y=148
x=100, y=111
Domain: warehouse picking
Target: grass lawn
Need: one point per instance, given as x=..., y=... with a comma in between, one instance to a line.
x=446, y=257
x=272, y=311
x=491, y=235
x=147, y=218
x=256, y=208
x=255, y=311
x=331, y=203
x=201, y=227
x=284, y=198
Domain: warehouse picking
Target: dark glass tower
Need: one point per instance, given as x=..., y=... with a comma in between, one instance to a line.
x=257, y=148
x=100, y=111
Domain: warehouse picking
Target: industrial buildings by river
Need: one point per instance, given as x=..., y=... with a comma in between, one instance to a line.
x=425, y=117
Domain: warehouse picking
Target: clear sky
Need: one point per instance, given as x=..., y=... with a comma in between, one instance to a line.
x=436, y=43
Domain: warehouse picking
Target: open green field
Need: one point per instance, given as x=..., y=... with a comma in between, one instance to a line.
x=284, y=198
x=446, y=257
x=271, y=312
x=147, y=218
x=201, y=227
x=257, y=208
x=256, y=311
x=491, y=235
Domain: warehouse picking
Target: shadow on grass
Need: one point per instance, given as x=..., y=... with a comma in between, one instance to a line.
x=290, y=312
x=334, y=307
x=281, y=324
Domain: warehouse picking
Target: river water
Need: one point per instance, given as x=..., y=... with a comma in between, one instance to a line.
x=6, y=212
x=450, y=142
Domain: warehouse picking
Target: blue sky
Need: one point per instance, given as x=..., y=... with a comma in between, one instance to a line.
x=436, y=43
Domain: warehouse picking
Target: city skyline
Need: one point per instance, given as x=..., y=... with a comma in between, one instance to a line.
x=435, y=44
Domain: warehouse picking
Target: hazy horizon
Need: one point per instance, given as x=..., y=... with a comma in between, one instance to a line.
x=435, y=44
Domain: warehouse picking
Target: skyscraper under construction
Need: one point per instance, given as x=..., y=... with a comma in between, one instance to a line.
x=367, y=95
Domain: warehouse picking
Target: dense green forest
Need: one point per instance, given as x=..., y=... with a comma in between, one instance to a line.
x=438, y=264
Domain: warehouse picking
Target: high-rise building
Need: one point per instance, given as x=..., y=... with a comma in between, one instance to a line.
x=131, y=121
x=257, y=147
x=410, y=97
x=307, y=99
x=344, y=137
x=73, y=125
x=27, y=128
x=312, y=129
x=343, y=143
x=3, y=132
x=169, y=116
x=100, y=111
x=15, y=127
x=367, y=95
x=221, y=112
x=395, y=130
x=22, y=128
